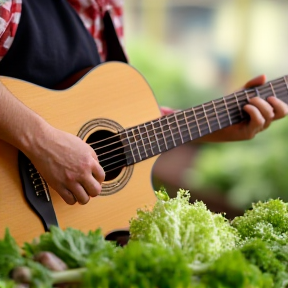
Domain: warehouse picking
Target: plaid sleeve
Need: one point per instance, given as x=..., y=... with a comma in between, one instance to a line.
x=10, y=11
x=117, y=18
x=91, y=13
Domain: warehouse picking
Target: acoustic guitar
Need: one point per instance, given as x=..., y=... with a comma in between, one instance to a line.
x=113, y=109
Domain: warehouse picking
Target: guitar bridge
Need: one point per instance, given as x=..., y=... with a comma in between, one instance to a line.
x=36, y=192
x=40, y=186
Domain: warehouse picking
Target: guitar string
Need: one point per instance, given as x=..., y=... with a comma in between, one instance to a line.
x=233, y=118
x=151, y=143
x=229, y=122
x=185, y=134
x=266, y=86
x=178, y=127
x=188, y=133
x=150, y=149
x=202, y=107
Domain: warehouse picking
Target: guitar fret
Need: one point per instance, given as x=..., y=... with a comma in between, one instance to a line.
x=156, y=136
x=167, y=133
x=272, y=88
x=170, y=127
x=196, y=120
x=145, y=140
x=212, y=116
x=160, y=135
x=134, y=135
x=148, y=137
x=285, y=80
x=216, y=113
x=238, y=105
x=187, y=123
x=130, y=144
x=179, y=130
x=277, y=87
x=163, y=134
x=225, y=103
x=286, y=83
x=192, y=128
x=153, y=138
x=184, y=128
x=205, y=114
x=280, y=89
x=257, y=94
x=142, y=140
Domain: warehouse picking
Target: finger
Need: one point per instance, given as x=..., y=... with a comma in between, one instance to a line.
x=93, y=153
x=256, y=123
x=257, y=81
x=166, y=111
x=265, y=109
x=79, y=193
x=98, y=172
x=67, y=196
x=92, y=186
x=280, y=108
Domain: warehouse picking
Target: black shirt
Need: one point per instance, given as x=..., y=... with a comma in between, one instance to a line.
x=52, y=44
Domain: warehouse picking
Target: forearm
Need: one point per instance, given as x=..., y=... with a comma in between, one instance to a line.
x=65, y=161
x=18, y=123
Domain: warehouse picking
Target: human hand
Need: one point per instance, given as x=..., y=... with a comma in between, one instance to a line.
x=69, y=165
x=261, y=114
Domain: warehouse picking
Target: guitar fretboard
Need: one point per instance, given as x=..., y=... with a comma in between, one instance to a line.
x=160, y=135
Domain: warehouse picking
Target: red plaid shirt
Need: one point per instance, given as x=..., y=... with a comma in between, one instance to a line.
x=90, y=11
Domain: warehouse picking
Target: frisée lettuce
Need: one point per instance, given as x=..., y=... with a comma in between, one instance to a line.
x=201, y=234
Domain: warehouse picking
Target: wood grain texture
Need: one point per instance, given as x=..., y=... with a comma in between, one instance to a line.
x=114, y=91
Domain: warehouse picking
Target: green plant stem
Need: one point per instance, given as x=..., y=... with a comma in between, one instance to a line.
x=68, y=276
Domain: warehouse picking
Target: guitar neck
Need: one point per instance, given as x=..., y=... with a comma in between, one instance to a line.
x=160, y=135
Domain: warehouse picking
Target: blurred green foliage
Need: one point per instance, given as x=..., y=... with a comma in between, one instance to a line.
x=163, y=69
x=245, y=171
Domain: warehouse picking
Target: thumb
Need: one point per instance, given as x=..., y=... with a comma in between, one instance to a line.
x=257, y=81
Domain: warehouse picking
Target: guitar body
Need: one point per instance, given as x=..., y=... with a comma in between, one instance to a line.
x=112, y=91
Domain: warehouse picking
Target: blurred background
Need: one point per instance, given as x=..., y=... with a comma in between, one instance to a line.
x=193, y=51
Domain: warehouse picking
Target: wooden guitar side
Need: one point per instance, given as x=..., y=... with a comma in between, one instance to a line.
x=113, y=91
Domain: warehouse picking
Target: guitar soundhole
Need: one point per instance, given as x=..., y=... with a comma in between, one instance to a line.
x=110, y=152
x=104, y=136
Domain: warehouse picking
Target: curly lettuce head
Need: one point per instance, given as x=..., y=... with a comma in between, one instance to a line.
x=201, y=234
x=267, y=221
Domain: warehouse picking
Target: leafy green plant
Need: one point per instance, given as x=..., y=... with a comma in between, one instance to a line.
x=199, y=233
x=140, y=264
x=174, y=244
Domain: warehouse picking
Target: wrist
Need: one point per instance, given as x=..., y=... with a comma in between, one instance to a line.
x=34, y=136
